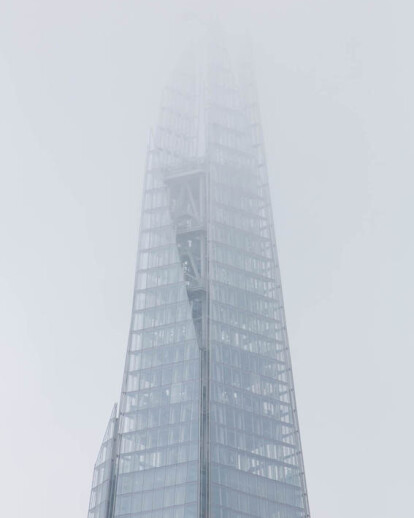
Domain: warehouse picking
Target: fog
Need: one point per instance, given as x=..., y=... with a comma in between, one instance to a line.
x=80, y=88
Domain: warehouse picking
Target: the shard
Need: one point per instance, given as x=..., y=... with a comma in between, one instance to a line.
x=207, y=424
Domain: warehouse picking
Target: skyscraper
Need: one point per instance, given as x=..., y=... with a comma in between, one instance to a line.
x=207, y=424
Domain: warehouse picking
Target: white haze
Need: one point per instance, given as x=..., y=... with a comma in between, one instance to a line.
x=80, y=85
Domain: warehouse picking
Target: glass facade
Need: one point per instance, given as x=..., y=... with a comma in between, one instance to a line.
x=102, y=483
x=207, y=425
x=256, y=470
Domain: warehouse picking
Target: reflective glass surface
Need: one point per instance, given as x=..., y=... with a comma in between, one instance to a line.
x=207, y=426
x=159, y=423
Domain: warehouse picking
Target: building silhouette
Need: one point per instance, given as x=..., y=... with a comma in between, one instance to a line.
x=207, y=424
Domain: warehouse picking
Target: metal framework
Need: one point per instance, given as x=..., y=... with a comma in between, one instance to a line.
x=207, y=426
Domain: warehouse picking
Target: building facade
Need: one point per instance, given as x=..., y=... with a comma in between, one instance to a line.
x=207, y=424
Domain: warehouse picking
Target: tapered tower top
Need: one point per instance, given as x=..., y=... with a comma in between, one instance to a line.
x=207, y=424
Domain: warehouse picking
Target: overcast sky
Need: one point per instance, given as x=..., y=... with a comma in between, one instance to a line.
x=80, y=85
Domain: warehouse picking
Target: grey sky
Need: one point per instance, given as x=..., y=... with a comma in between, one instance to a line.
x=80, y=86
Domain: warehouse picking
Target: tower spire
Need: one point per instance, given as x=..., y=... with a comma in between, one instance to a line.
x=207, y=426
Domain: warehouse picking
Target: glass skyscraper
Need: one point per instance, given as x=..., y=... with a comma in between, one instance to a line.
x=207, y=424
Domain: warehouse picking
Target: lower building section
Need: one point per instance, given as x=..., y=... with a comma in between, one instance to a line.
x=102, y=493
x=207, y=426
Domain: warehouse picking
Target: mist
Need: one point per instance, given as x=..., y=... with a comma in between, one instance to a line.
x=80, y=90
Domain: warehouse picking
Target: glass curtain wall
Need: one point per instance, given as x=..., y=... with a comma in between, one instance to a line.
x=207, y=425
x=255, y=455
